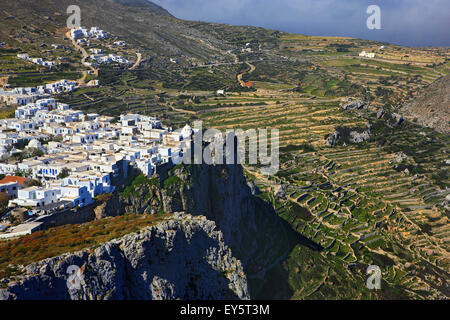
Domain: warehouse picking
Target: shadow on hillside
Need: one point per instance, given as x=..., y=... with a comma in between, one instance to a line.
x=275, y=284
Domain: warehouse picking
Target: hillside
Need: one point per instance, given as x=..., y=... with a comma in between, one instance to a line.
x=432, y=107
x=180, y=258
x=358, y=183
x=146, y=25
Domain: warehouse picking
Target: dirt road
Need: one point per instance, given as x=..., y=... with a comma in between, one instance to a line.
x=83, y=60
x=138, y=61
x=239, y=76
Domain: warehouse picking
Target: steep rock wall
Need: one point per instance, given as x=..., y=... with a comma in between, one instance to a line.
x=183, y=257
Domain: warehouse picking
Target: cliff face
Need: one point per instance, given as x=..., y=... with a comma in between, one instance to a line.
x=181, y=258
x=219, y=192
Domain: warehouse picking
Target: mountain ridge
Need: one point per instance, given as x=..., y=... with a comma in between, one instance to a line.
x=145, y=4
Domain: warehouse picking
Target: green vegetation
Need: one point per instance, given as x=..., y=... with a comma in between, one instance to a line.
x=171, y=181
x=8, y=112
x=140, y=180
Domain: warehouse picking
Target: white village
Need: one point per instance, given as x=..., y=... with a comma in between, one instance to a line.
x=75, y=156
x=54, y=158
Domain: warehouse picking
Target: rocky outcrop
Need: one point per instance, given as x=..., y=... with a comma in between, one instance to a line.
x=332, y=139
x=257, y=237
x=184, y=257
x=346, y=135
x=221, y=193
x=359, y=136
x=354, y=105
x=253, y=188
x=111, y=206
x=280, y=192
x=431, y=107
x=399, y=157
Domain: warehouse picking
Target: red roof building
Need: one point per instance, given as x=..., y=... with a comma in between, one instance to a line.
x=249, y=84
x=9, y=179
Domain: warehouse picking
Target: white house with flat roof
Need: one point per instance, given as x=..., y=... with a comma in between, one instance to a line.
x=367, y=54
x=35, y=197
x=22, y=229
x=8, y=168
x=78, y=195
x=10, y=188
x=145, y=166
x=96, y=184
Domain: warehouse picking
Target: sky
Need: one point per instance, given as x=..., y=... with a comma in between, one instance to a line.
x=404, y=22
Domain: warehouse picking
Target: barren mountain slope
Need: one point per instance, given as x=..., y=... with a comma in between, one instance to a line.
x=432, y=107
x=146, y=25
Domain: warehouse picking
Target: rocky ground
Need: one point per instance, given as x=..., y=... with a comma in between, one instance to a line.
x=184, y=257
x=432, y=107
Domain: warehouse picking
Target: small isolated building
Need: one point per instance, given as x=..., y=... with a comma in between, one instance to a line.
x=249, y=84
x=367, y=54
x=22, y=229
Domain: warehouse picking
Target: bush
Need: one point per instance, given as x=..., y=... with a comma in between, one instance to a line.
x=173, y=180
x=103, y=197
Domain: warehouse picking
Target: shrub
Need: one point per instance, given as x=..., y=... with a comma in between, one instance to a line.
x=69, y=238
x=173, y=180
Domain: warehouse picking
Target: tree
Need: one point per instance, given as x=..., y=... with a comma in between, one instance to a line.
x=23, y=173
x=64, y=173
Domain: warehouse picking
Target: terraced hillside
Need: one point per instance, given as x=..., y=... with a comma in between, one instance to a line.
x=378, y=202
x=381, y=201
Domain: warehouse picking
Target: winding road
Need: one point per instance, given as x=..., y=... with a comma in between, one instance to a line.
x=138, y=61
x=239, y=76
x=83, y=60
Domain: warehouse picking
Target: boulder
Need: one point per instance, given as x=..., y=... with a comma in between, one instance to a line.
x=354, y=105
x=280, y=192
x=253, y=188
x=332, y=139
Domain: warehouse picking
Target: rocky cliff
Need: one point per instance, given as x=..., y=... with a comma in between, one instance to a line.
x=184, y=257
x=220, y=192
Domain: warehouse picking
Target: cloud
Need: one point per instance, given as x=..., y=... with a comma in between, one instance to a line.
x=405, y=22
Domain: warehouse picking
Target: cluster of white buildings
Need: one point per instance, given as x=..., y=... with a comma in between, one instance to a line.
x=84, y=32
x=13, y=97
x=90, y=153
x=24, y=96
x=96, y=51
x=108, y=59
x=38, y=61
